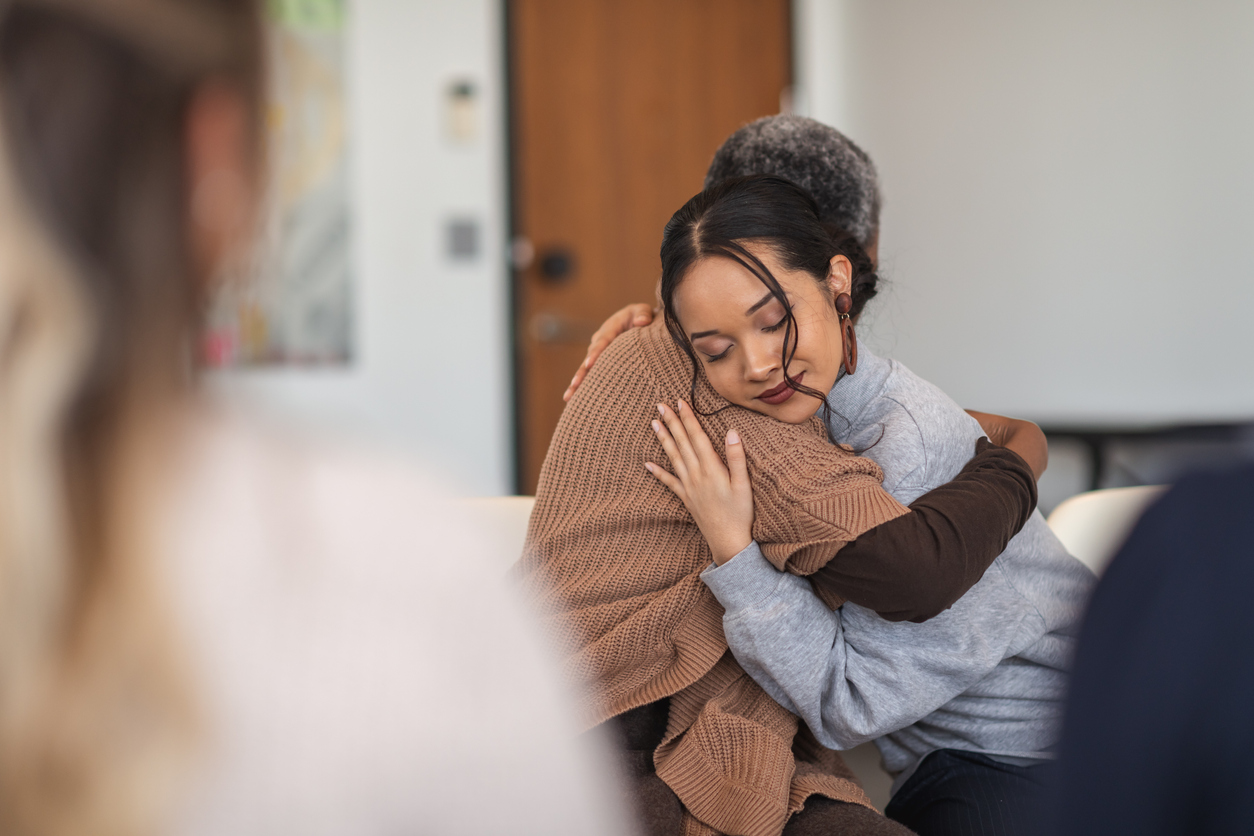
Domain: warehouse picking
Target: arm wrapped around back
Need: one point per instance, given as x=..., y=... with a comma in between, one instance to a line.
x=613, y=561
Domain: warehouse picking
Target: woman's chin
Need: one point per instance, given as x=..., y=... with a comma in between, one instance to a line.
x=796, y=410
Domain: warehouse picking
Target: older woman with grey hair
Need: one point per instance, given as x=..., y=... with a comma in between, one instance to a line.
x=820, y=159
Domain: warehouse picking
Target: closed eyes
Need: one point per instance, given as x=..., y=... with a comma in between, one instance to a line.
x=714, y=358
x=770, y=329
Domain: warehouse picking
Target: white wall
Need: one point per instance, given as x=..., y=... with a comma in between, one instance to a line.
x=432, y=366
x=1069, y=196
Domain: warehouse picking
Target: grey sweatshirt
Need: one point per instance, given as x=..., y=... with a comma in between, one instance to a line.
x=987, y=675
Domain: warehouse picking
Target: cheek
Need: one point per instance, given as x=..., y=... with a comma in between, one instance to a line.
x=723, y=377
x=820, y=338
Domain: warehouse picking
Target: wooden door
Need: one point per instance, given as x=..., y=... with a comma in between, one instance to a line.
x=617, y=108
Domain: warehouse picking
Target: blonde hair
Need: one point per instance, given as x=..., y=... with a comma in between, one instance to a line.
x=99, y=307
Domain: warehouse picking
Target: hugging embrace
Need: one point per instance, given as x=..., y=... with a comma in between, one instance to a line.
x=758, y=545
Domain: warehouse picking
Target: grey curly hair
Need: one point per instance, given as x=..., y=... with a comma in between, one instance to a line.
x=818, y=158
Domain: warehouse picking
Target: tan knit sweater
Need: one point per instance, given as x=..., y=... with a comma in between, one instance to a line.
x=614, y=559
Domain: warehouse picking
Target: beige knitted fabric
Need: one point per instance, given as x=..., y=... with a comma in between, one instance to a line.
x=614, y=560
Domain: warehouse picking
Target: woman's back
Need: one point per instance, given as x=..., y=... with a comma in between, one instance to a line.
x=1023, y=696
x=360, y=665
x=921, y=439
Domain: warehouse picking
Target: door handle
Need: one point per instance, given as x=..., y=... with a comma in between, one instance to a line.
x=557, y=266
x=553, y=328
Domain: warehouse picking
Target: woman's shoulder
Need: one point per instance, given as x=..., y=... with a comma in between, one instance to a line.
x=228, y=451
x=344, y=610
x=642, y=363
x=922, y=399
x=255, y=504
x=938, y=418
x=650, y=353
x=917, y=433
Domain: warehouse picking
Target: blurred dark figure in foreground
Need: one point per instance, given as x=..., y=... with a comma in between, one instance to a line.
x=1160, y=727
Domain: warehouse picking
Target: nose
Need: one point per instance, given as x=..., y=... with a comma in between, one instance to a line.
x=761, y=359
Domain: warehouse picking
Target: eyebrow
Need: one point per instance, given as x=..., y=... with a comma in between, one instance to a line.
x=768, y=297
x=756, y=306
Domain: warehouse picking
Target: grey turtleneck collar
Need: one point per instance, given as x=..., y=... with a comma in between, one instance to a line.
x=852, y=393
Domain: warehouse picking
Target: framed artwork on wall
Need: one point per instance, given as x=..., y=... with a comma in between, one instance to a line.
x=291, y=303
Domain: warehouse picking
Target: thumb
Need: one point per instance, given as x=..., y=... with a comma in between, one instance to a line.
x=737, y=468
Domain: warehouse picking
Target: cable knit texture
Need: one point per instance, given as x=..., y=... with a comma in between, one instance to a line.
x=614, y=560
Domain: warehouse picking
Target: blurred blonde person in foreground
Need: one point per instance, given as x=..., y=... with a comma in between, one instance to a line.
x=206, y=626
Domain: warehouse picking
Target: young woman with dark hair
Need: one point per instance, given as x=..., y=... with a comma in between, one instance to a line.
x=759, y=294
x=831, y=167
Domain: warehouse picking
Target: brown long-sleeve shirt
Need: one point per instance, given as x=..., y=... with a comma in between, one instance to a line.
x=916, y=566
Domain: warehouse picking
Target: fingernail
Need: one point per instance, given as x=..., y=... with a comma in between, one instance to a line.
x=680, y=407
x=661, y=410
x=648, y=466
x=733, y=437
x=657, y=428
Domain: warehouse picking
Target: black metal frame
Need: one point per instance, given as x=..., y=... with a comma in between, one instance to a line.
x=1099, y=438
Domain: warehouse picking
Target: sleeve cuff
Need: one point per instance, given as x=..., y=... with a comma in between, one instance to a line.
x=744, y=581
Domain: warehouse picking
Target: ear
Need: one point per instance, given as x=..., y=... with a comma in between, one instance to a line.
x=839, y=276
x=221, y=173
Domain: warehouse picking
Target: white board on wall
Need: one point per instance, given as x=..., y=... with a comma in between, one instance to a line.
x=1068, y=228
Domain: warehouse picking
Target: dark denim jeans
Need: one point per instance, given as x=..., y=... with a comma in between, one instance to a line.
x=957, y=793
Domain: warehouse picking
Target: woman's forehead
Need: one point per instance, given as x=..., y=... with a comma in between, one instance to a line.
x=718, y=289
x=719, y=277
